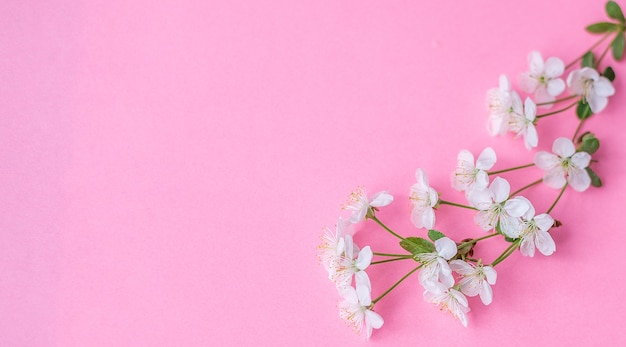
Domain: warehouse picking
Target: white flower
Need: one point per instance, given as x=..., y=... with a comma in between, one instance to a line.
x=535, y=234
x=594, y=88
x=476, y=279
x=355, y=309
x=468, y=176
x=424, y=198
x=565, y=164
x=332, y=247
x=359, y=204
x=449, y=300
x=495, y=208
x=347, y=265
x=521, y=123
x=435, y=268
x=542, y=78
x=499, y=101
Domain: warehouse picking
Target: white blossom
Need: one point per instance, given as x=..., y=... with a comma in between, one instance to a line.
x=355, y=309
x=542, y=79
x=435, y=268
x=449, y=300
x=594, y=88
x=423, y=198
x=535, y=234
x=521, y=122
x=476, y=279
x=565, y=165
x=469, y=176
x=359, y=204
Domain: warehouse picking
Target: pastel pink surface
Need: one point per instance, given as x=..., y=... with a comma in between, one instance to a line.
x=167, y=167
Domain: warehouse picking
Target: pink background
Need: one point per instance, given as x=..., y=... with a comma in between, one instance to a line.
x=167, y=167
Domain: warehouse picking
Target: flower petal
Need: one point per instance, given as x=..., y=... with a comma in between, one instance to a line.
x=517, y=207
x=364, y=259
x=544, y=242
x=364, y=294
x=445, y=247
x=381, y=199
x=527, y=83
x=535, y=63
x=428, y=218
x=554, y=67
x=373, y=319
x=461, y=267
x=527, y=247
x=500, y=188
x=505, y=84
x=486, y=295
x=530, y=109
x=362, y=279
x=581, y=159
x=544, y=222
x=603, y=87
x=597, y=103
x=555, y=87
x=579, y=179
x=555, y=178
x=531, y=139
x=490, y=274
x=545, y=160
x=421, y=178
x=564, y=147
x=486, y=159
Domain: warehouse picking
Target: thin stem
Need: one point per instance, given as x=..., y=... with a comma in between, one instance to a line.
x=473, y=241
x=510, y=169
x=597, y=64
x=580, y=125
x=526, y=187
x=389, y=260
x=507, y=252
x=590, y=48
x=557, y=100
x=557, y=111
x=444, y=202
x=385, y=227
x=391, y=255
x=557, y=198
x=395, y=285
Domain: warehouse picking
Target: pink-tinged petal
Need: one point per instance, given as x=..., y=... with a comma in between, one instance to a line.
x=516, y=207
x=428, y=218
x=535, y=63
x=530, y=109
x=381, y=199
x=544, y=222
x=358, y=216
x=364, y=259
x=531, y=139
x=421, y=178
x=554, y=67
x=461, y=267
x=527, y=83
x=544, y=242
x=495, y=125
x=542, y=96
x=564, y=147
x=362, y=279
x=469, y=286
x=459, y=297
x=416, y=216
x=527, y=247
x=516, y=103
x=546, y=161
x=555, y=178
x=597, y=103
x=603, y=87
x=505, y=84
x=465, y=159
x=486, y=295
x=500, y=188
x=555, y=87
x=373, y=319
x=486, y=159
x=485, y=220
x=445, y=247
x=490, y=274
x=349, y=294
x=364, y=294
x=433, y=197
x=581, y=159
x=575, y=83
x=579, y=179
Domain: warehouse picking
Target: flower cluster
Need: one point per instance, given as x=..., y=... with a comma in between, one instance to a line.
x=449, y=272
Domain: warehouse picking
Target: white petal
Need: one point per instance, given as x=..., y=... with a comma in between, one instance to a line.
x=486, y=159
x=579, y=179
x=364, y=294
x=495, y=125
x=544, y=242
x=511, y=226
x=545, y=160
x=421, y=178
x=461, y=267
x=531, y=139
x=575, y=83
x=349, y=295
x=428, y=218
x=500, y=188
x=381, y=199
x=416, y=216
x=555, y=178
x=349, y=246
x=362, y=279
x=486, y=295
x=374, y=319
x=581, y=159
x=516, y=207
x=563, y=147
x=530, y=213
x=482, y=180
x=544, y=222
x=527, y=83
x=459, y=297
x=516, y=103
x=603, y=87
x=597, y=103
x=364, y=259
x=446, y=248
x=535, y=63
x=490, y=274
x=433, y=197
x=556, y=87
x=505, y=84
x=358, y=215
x=554, y=67
x=480, y=199
x=485, y=220
x=542, y=96
x=527, y=247
x=530, y=109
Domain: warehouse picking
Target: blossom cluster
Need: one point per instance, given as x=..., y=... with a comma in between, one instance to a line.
x=449, y=272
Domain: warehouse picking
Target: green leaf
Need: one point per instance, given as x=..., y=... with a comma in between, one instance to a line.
x=417, y=245
x=601, y=27
x=588, y=59
x=435, y=235
x=595, y=180
x=590, y=143
x=583, y=111
x=613, y=10
x=618, y=46
x=609, y=74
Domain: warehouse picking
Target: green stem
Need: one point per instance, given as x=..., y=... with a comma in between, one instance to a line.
x=473, y=241
x=580, y=125
x=395, y=285
x=597, y=64
x=391, y=255
x=526, y=187
x=557, y=199
x=590, y=48
x=510, y=169
x=389, y=260
x=444, y=202
x=385, y=227
x=557, y=100
x=557, y=111
x=507, y=252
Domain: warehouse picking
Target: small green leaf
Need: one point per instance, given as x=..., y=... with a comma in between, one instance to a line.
x=509, y=239
x=595, y=180
x=435, y=235
x=583, y=111
x=590, y=143
x=609, y=74
x=613, y=10
x=417, y=245
x=588, y=59
x=601, y=28
x=618, y=46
